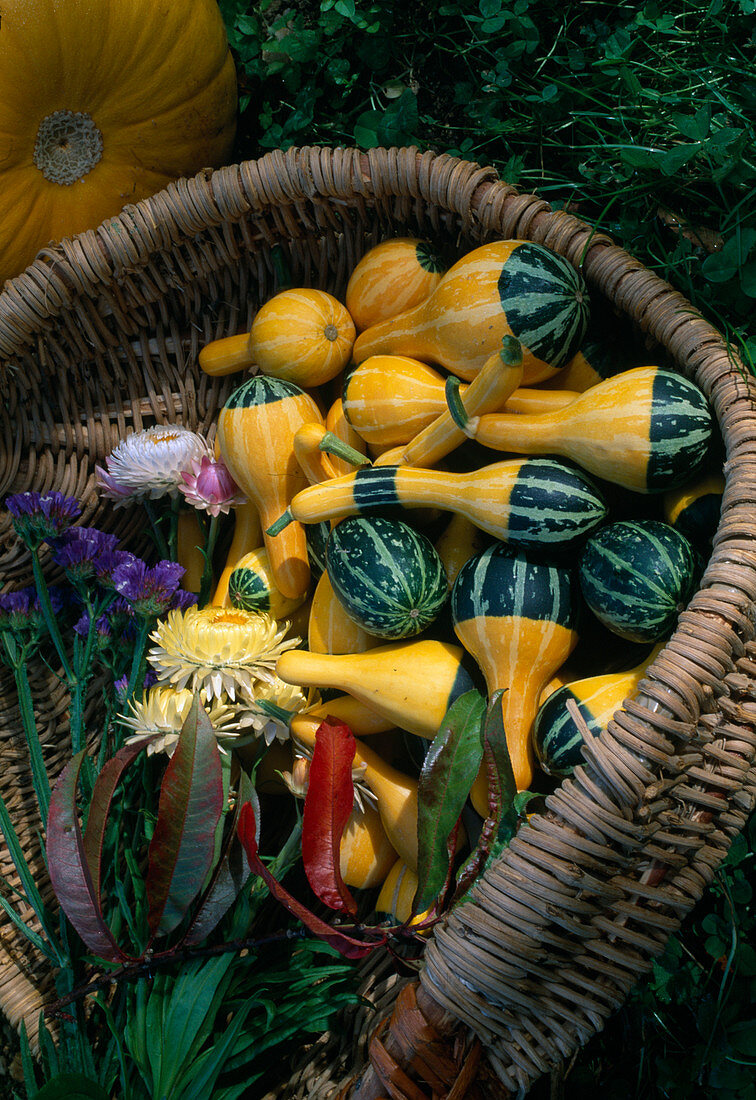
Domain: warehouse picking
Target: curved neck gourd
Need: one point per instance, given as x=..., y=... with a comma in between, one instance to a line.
x=411, y=683
x=519, y=500
x=247, y=537
x=645, y=429
x=517, y=619
x=330, y=629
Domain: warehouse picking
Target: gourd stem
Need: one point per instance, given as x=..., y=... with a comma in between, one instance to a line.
x=283, y=521
x=330, y=444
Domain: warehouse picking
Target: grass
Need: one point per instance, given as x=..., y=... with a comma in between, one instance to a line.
x=640, y=117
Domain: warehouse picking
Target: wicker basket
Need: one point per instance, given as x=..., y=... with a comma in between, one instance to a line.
x=101, y=334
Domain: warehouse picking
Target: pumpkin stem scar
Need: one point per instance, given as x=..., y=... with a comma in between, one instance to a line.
x=68, y=145
x=331, y=332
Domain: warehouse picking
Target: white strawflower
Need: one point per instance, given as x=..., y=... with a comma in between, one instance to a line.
x=149, y=464
x=163, y=711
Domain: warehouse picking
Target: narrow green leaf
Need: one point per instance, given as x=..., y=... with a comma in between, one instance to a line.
x=450, y=766
x=27, y=1062
x=71, y=1086
x=30, y=934
x=33, y=895
x=191, y=800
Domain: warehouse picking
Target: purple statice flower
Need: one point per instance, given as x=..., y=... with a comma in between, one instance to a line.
x=108, y=562
x=182, y=599
x=121, y=686
x=149, y=591
x=80, y=550
x=38, y=517
x=103, y=628
x=19, y=610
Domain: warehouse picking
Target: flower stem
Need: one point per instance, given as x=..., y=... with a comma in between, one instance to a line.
x=139, y=663
x=157, y=534
x=49, y=616
x=172, y=554
x=17, y=657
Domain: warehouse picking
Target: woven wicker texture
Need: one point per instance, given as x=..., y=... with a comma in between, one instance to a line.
x=100, y=336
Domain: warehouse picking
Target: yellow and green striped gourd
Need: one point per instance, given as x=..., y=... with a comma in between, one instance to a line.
x=517, y=617
x=522, y=501
x=391, y=277
x=412, y=684
x=516, y=288
x=256, y=429
x=252, y=587
x=556, y=735
x=646, y=429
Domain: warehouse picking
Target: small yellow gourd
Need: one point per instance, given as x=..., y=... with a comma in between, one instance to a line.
x=330, y=629
x=252, y=587
x=392, y=277
x=398, y=894
x=337, y=423
x=190, y=540
x=412, y=684
x=256, y=429
x=366, y=853
x=514, y=288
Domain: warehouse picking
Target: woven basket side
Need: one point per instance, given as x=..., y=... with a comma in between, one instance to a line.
x=103, y=332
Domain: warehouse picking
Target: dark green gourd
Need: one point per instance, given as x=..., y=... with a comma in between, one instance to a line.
x=636, y=577
x=388, y=577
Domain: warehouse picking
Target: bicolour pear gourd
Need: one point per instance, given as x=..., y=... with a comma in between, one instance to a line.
x=521, y=501
x=392, y=277
x=514, y=288
x=256, y=429
x=247, y=536
x=412, y=683
x=517, y=617
x=646, y=429
x=695, y=507
x=252, y=587
x=558, y=738
x=637, y=576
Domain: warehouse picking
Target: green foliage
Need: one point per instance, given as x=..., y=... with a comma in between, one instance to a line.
x=628, y=113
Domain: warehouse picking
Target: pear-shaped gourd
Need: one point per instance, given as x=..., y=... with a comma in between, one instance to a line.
x=514, y=288
x=330, y=629
x=256, y=429
x=695, y=507
x=646, y=429
x=396, y=793
x=497, y=380
x=247, y=537
x=397, y=895
x=459, y=541
x=517, y=618
x=558, y=738
x=392, y=277
x=366, y=855
x=190, y=541
x=314, y=446
x=522, y=501
x=412, y=684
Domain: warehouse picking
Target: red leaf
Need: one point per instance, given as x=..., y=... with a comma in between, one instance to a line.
x=99, y=808
x=350, y=948
x=182, y=846
x=69, y=871
x=327, y=808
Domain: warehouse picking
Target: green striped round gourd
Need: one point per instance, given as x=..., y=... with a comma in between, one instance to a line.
x=388, y=577
x=636, y=576
x=251, y=587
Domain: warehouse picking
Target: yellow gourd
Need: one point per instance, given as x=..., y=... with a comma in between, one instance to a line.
x=256, y=429
x=459, y=541
x=398, y=894
x=246, y=538
x=513, y=288
x=412, y=684
x=337, y=423
x=645, y=429
x=330, y=629
x=366, y=853
x=190, y=540
x=300, y=335
x=252, y=587
x=101, y=104
x=497, y=380
x=391, y=277
x=315, y=447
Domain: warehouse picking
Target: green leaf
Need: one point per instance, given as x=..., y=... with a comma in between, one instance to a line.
x=671, y=162
x=450, y=766
x=743, y=1037
x=191, y=801
x=71, y=1086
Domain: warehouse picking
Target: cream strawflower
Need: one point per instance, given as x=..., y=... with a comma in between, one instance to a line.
x=219, y=650
x=288, y=697
x=150, y=463
x=163, y=711
x=297, y=779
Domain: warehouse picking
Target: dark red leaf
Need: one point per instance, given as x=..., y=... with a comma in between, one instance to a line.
x=182, y=846
x=346, y=945
x=229, y=876
x=99, y=808
x=450, y=766
x=327, y=808
x=69, y=872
